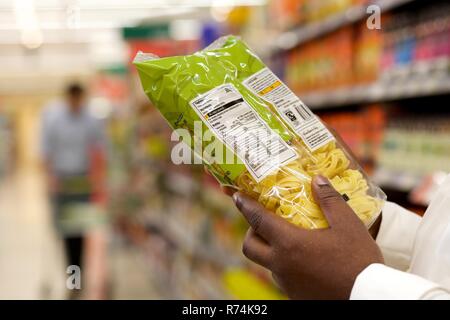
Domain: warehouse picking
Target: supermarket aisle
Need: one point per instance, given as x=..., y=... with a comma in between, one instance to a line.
x=31, y=257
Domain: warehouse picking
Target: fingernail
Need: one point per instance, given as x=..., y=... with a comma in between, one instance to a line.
x=321, y=181
x=237, y=199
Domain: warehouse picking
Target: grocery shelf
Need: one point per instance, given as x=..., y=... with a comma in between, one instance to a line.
x=187, y=244
x=396, y=179
x=301, y=34
x=380, y=91
x=164, y=280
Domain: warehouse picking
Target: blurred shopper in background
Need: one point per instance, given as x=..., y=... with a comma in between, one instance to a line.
x=72, y=141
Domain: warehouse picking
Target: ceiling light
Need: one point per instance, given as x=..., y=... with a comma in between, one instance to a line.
x=31, y=38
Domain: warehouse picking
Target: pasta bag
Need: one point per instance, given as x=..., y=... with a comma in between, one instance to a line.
x=245, y=142
x=322, y=152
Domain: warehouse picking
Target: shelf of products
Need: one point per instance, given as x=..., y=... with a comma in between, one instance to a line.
x=322, y=17
x=380, y=91
x=415, y=149
x=409, y=57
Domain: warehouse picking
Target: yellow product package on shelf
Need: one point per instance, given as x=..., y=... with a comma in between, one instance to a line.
x=253, y=133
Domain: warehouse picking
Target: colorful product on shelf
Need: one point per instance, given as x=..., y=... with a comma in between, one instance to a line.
x=408, y=44
x=286, y=13
x=367, y=47
x=361, y=130
x=424, y=142
x=244, y=285
x=412, y=38
x=320, y=10
x=290, y=13
x=246, y=118
x=322, y=64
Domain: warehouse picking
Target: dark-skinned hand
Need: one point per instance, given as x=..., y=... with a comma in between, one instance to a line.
x=310, y=264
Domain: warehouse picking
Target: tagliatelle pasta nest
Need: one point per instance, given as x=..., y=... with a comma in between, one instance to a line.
x=288, y=193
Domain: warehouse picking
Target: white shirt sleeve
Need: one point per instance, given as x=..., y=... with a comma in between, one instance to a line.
x=396, y=235
x=379, y=282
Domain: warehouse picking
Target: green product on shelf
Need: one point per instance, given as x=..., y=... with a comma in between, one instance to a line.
x=244, y=285
x=242, y=109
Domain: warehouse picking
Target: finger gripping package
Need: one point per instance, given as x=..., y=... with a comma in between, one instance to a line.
x=253, y=133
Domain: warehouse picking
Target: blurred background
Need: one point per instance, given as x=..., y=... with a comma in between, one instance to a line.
x=153, y=230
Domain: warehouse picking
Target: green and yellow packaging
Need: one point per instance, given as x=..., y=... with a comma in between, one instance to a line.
x=276, y=143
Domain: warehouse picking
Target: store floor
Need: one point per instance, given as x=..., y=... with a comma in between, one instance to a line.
x=31, y=256
x=30, y=253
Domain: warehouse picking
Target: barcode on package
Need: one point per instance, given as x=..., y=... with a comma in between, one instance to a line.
x=240, y=128
x=294, y=112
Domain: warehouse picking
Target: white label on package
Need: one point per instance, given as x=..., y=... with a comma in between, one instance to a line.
x=300, y=119
x=240, y=128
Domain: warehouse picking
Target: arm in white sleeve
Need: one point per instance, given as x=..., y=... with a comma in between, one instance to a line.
x=379, y=282
x=396, y=235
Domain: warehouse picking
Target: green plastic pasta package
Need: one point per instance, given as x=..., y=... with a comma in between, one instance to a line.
x=253, y=133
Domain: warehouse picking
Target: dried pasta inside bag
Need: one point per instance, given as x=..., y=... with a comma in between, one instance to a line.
x=288, y=193
x=276, y=164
